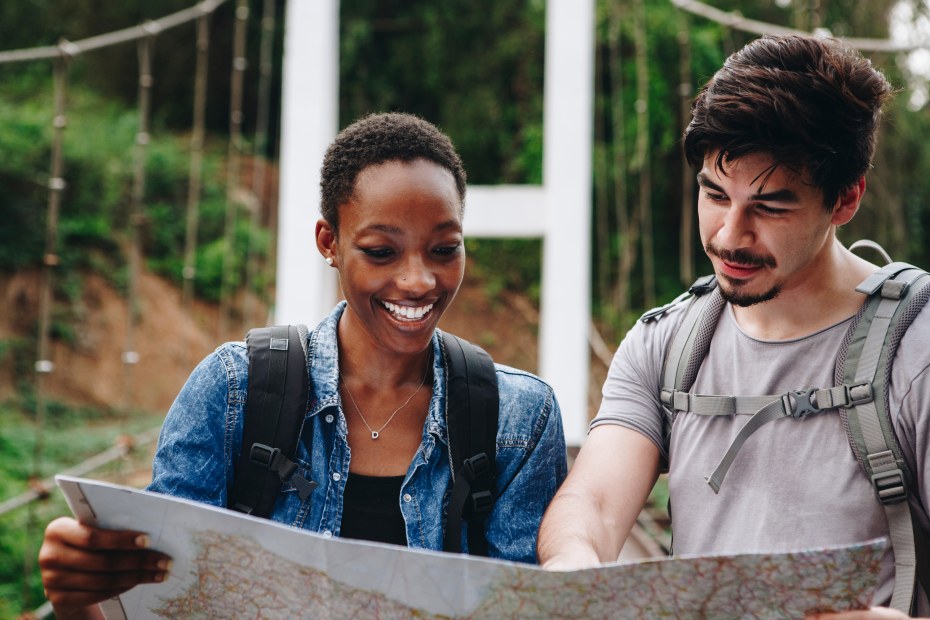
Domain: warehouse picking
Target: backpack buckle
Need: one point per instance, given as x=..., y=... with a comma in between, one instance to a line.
x=263, y=455
x=800, y=403
x=859, y=394
x=889, y=486
x=477, y=466
x=479, y=504
x=704, y=284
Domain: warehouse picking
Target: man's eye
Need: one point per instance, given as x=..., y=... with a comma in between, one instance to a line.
x=770, y=210
x=715, y=197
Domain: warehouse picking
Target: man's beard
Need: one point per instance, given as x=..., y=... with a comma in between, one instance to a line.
x=730, y=290
x=730, y=287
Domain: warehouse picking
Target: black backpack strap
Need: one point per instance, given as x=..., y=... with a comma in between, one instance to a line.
x=275, y=408
x=472, y=403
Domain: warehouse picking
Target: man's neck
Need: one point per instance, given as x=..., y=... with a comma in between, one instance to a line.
x=822, y=298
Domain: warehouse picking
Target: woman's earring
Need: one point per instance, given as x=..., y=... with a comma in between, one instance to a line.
x=329, y=261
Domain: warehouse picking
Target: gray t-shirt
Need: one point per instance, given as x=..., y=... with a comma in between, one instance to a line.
x=795, y=483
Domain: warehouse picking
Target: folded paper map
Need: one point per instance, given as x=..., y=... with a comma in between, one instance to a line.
x=229, y=565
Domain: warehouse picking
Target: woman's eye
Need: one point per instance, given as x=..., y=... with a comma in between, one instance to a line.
x=378, y=252
x=448, y=250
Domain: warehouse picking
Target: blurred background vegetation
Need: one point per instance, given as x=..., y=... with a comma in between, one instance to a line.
x=475, y=68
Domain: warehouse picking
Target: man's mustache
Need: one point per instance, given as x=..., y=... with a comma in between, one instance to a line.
x=740, y=257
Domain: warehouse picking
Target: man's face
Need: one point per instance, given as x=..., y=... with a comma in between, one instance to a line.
x=764, y=228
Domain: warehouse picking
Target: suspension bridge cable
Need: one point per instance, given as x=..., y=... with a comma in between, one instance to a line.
x=259, y=169
x=196, y=165
x=44, y=365
x=137, y=211
x=74, y=48
x=735, y=20
x=41, y=489
x=233, y=161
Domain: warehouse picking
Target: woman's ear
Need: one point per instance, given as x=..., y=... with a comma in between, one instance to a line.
x=326, y=241
x=847, y=204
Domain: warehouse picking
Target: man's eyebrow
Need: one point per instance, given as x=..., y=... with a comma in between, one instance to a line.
x=779, y=195
x=703, y=180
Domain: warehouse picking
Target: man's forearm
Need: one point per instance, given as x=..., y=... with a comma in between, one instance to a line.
x=594, y=511
x=572, y=536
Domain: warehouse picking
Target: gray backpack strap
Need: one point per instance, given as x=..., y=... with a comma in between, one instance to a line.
x=898, y=292
x=689, y=346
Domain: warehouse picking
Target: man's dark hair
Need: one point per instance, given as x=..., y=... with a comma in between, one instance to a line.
x=811, y=104
x=377, y=139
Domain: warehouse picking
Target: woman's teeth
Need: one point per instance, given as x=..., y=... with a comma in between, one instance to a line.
x=407, y=312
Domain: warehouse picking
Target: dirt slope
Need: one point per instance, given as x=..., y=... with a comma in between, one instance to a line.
x=170, y=341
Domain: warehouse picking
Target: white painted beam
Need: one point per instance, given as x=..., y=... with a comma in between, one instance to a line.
x=567, y=130
x=559, y=212
x=306, y=289
x=505, y=211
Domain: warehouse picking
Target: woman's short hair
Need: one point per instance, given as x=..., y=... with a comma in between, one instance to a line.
x=377, y=139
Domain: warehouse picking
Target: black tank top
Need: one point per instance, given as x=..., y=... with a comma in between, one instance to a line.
x=371, y=509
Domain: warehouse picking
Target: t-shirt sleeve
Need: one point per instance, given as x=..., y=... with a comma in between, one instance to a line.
x=630, y=396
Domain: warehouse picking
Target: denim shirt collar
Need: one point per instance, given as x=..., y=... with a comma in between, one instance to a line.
x=323, y=369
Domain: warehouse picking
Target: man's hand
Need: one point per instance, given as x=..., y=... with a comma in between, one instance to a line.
x=580, y=559
x=83, y=565
x=873, y=613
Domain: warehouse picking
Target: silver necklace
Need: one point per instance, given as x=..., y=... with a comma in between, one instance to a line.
x=377, y=433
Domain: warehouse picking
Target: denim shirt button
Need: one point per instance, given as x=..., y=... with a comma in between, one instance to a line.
x=407, y=497
x=329, y=417
x=327, y=534
x=337, y=477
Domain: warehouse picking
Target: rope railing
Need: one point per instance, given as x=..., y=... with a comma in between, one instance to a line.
x=41, y=489
x=135, y=33
x=735, y=20
x=60, y=55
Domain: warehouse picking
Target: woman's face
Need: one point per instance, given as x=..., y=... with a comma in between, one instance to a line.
x=399, y=252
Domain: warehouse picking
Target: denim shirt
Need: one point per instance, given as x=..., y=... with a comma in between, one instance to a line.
x=202, y=436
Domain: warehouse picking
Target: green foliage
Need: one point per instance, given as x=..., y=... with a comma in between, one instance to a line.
x=507, y=265
x=474, y=69
x=61, y=447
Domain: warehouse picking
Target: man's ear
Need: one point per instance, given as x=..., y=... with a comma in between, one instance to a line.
x=847, y=204
x=325, y=239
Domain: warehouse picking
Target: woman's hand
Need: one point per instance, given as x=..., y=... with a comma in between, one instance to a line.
x=83, y=565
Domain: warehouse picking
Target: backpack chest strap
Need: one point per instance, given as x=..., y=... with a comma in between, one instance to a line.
x=797, y=403
x=762, y=409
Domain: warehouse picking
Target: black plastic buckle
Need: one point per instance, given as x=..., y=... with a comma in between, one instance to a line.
x=263, y=455
x=477, y=466
x=479, y=505
x=889, y=486
x=800, y=402
x=704, y=284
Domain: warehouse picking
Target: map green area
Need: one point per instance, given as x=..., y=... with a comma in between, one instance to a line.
x=228, y=565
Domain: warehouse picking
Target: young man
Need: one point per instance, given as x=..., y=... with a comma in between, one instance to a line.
x=782, y=137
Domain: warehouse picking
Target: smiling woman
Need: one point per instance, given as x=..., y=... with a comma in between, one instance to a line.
x=393, y=192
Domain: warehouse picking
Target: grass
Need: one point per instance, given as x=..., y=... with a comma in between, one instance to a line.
x=69, y=436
